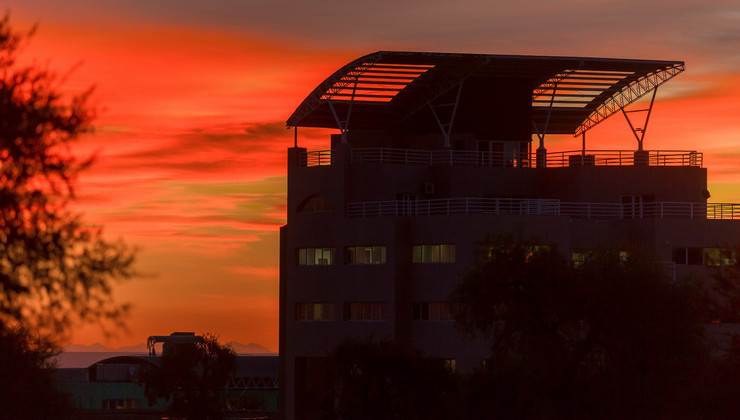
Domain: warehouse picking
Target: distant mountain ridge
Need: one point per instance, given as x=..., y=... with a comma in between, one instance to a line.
x=239, y=348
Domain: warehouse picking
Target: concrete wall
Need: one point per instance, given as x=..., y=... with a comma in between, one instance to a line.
x=399, y=282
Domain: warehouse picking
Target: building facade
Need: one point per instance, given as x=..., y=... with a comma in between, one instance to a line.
x=437, y=151
x=111, y=388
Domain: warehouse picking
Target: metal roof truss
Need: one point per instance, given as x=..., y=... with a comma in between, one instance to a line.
x=628, y=94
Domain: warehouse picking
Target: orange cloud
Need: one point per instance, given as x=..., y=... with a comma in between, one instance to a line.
x=191, y=138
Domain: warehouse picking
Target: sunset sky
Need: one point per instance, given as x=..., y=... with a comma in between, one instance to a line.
x=193, y=96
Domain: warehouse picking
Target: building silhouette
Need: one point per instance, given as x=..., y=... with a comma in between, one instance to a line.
x=436, y=151
x=108, y=385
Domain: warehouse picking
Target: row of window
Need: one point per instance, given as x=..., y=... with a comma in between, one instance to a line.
x=365, y=255
x=441, y=253
x=578, y=257
x=713, y=257
x=375, y=254
x=370, y=311
x=445, y=253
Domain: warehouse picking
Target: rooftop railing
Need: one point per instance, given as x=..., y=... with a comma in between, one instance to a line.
x=625, y=158
x=544, y=207
x=384, y=155
x=553, y=159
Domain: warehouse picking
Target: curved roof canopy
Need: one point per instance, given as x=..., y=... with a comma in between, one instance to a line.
x=569, y=94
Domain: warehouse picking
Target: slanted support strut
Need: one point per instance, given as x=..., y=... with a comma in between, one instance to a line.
x=343, y=126
x=447, y=128
x=642, y=130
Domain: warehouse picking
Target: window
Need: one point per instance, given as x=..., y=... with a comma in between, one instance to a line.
x=443, y=253
x=450, y=365
x=694, y=256
x=431, y=311
x=314, y=311
x=365, y=311
x=578, y=257
x=365, y=255
x=638, y=206
x=687, y=255
x=679, y=256
x=624, y=256
x=717, y=257
x=316, y=256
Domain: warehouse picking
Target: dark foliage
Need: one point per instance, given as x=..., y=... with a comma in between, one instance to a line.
x=192, y=376
x=383, y=380
x=54, y=270
x=28, y=391
x=724, y=306
x=612, y=338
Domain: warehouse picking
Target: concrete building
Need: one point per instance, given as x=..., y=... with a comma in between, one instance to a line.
x=434, y=152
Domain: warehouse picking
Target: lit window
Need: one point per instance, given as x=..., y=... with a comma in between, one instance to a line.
x=717, y=257
x=442, y=253
x=578, y=258
x=532, y=250
x=366, y=255
x=450, y=365
x=431, y=311
x=624, y=256
x=314, y=311
x=316, y=256
x=366, y=311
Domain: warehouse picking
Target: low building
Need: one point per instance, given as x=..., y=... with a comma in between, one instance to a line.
x=109, y=388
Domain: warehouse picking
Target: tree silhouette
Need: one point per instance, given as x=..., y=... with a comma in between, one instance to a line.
x=27, y=390
x=54, y=270
x=611, y=338
x=383, y=379
x=193, y=377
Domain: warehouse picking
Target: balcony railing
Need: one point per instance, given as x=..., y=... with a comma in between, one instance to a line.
x=553, y=159
x=544, y=207
x=316, y=158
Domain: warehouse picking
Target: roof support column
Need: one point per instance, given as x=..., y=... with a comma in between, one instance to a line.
x=541, y=150
x=447, y=128
x=583, y=146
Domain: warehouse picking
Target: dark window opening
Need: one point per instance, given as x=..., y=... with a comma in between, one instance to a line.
x=431, y=311
x=365, y=311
